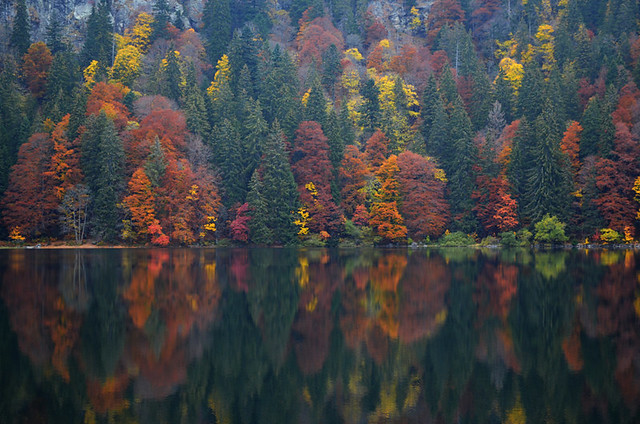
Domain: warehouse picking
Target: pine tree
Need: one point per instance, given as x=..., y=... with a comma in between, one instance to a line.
x=549, y=183
x=98, y=44
x=20, y=33
x=160, y=20
x=459, y=169
x=316, y=109
x=216, y=19
x=279, y=92
x=530, y=97
x=228, y=156
x=253, y=132
x=194, y=105
x=429, y=98
x=103, y=165
x=244, y=50
x=54, y=35
x=279, y=188
x=370, y=111
x=171, y=76
x=331, y=67
x=258, y=230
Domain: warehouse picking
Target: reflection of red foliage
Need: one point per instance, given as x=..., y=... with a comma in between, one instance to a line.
x=108, y=396
x=571, y=347
x=314, y=320
x=422, y=297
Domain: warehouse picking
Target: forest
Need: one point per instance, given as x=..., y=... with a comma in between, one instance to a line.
x=324, y=122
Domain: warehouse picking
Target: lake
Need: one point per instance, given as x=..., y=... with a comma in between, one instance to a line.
x=319, y=336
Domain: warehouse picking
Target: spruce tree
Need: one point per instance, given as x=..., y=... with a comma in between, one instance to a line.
x=54, y=35
x=228, y=156
x=253, y=132
x=98, y=44
x=194, y=105
x=161, y=18
x=370, y=110
x=331, y=67
x=316, y=109
x=216, y=20
x=20, y=33
x=279, y=188
x=171, y=76
x=531, y=94
x=103, y=167
x=549, y=183
x=258, y=230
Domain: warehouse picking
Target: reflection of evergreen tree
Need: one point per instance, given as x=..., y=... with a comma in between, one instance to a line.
x=273, y=300
x=104, y=329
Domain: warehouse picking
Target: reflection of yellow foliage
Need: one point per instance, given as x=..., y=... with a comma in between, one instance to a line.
x=311, y=306
x=302, y=272
x=387, y=407
x=219, y=411
x=441, y=317
x=210, y=270
x=608, y=257
x=636, y=304
x=550, y=265
x=517, y=414
x=306, y=395
x=89, y=415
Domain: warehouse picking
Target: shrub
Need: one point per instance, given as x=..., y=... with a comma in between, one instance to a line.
x=456, y=239
x=508, y=239
x=607, y=235
x=550, y=230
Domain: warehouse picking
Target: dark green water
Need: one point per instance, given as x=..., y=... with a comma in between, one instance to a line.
x=319, y=336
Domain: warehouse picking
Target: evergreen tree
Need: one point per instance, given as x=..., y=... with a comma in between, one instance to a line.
x=54, y=35
x=63, y=77
x=228, y=156
x=14, y=120
x=253, y=132
x=316, y=109
x=459, y=169
x=20, y=33
x=194, y=105
x=505, y=94
x=171, y=76
x=259, y=232
x=530, y=95
x=156, y=164
x=520, y=164
x=331, y=67
x=161, y=17
x=98, y=44
x=430, y=97
x=103, y=166
x=598, y=130
x=370, y=111
x=549, y=183
x=279, y=94
x=216, y=20
x=244, y=50
x=279, y=189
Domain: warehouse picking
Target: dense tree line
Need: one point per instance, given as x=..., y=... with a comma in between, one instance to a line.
x=320, y=122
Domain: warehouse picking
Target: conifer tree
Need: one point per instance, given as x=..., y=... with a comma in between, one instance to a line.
x=171, y=76
x=194, y=105
x=549, y=183
x=216, y=19
x=279, y=189
x=316, y=109
x=20, y=33
x=370, y=111
x=98, y=44
x=54, y=35
x=161, y=18
x=530, y=95
x=103, y=165
x=258, y=230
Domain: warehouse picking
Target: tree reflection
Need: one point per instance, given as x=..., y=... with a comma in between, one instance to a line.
x=319, y=336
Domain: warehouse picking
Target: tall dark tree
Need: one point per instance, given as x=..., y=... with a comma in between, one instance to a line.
x=161, y=18
x=370, y=111
x=316, y=109
x=54, y=35
x=216, y=19
x=549, y=182
x=21, y=31
x=98, y=44
x=278, y=189
x=103, y=166
x=194, y=105
x=171, y=76
x=530, y=96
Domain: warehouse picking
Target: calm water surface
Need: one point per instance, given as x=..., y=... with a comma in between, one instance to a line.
x=319, y=336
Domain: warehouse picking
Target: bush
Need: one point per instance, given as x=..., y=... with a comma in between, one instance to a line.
x=456, y=239
x=489, y=241
x=508, y=239
x=607, y=235
x=524, y=237
x=550, y=230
